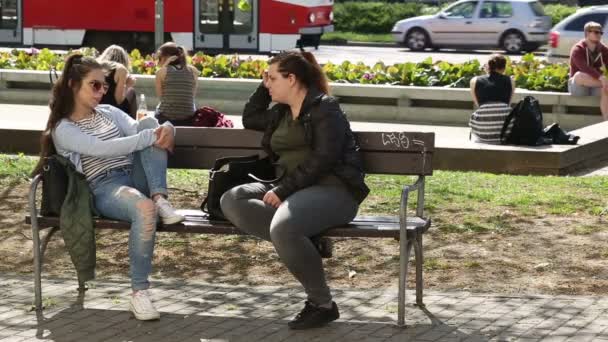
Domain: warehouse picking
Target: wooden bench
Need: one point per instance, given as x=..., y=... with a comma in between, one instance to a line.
x=399, y=153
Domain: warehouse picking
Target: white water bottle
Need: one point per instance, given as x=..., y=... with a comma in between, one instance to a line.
x=142, y=108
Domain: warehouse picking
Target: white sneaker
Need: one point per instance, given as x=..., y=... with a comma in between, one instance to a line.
x=141, y=306
x=166, y=212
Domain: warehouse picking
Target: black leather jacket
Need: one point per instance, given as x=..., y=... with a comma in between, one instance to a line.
x=327, y=131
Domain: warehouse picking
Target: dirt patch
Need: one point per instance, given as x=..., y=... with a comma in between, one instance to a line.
x=550, y=255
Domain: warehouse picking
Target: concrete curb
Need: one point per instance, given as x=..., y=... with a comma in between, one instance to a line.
x=385, y=103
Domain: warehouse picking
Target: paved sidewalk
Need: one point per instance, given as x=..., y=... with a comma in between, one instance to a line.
x=193, y=311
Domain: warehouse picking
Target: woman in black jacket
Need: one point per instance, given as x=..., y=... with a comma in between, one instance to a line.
x=307, y=133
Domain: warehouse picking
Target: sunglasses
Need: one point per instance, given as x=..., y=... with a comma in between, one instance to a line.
x=99, y=86
x=596, y=31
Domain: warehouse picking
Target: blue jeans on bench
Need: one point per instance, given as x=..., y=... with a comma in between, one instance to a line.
x=124, y=194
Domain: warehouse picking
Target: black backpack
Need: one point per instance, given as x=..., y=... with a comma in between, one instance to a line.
x=526, y=124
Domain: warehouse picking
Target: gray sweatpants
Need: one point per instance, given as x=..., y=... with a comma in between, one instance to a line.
x=306, y=213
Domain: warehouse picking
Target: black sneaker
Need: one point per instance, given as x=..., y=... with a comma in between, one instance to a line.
x=323, y=245
x=313, y=316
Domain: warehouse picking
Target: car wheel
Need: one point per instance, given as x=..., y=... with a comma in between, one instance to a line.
x=531, y=47
x=416, y=40
x=513, y=42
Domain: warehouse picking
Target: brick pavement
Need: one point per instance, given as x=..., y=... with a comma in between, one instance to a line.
x=194, y=311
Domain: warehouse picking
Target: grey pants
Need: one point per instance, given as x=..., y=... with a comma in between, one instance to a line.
x=304, y=214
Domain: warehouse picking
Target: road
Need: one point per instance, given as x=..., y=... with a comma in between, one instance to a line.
x=389, y=55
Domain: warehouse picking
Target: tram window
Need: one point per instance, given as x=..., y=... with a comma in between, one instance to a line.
x=8, y=14
x=243, y=16
x=209, y=16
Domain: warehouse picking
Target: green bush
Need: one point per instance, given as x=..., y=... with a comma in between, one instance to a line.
x=372, y=17
x=379, y=17
x=559, y=12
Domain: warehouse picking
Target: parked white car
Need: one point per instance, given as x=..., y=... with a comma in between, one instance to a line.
x=570, y=31
x=513, y=25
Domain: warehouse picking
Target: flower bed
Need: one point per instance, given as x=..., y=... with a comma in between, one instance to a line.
x=530, y=73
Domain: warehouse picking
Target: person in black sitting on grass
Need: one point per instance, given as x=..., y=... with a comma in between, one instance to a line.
x=308, y=134
x=492, y=93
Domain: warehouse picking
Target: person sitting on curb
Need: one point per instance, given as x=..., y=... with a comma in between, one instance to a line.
x=492, y=93
x=587, y=58
x=176, y=83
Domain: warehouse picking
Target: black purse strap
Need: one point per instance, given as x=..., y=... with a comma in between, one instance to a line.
x=204, y=205
x=505, y=125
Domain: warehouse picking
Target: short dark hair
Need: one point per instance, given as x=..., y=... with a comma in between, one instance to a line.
x=497, y=62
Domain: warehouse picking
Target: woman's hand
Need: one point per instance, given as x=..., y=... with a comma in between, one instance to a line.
x=165, y=138
x=168, y=61
x=265, y=78
x=272, y=199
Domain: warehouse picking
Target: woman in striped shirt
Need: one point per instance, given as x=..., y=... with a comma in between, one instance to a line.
x=175, y=86
x=123, y=160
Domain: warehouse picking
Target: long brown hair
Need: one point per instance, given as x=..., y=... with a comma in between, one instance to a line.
x=76, y=68
x=170, y=49
x=304, y=66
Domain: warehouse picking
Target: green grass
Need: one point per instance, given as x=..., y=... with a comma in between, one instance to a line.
x=358, y=37
x=472, y=264
x=459, y=202
x=588, y=229
x=15, y=167
x=476, y=192
x=435, y=264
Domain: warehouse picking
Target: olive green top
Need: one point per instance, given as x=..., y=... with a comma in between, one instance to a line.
x=289, y=143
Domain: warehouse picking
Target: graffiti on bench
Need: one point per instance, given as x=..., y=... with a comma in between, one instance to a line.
x=399, y=140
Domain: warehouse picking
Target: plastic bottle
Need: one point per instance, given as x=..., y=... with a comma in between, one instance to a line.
x=142, y=108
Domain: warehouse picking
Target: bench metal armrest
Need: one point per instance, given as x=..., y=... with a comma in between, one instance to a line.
x=417, y=186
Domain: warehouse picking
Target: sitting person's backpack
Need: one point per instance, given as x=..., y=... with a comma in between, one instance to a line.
x=526, y=122
x=210, y=117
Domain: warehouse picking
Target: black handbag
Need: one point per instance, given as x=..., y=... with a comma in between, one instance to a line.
x=228, y=172
x=54, y=186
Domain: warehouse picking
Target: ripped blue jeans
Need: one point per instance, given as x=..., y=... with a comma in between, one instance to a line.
x=124, y=194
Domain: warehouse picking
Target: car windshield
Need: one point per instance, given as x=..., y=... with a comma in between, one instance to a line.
x=537, y=8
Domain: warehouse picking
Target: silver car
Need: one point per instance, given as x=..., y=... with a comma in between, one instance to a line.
x=513, y=25
x=570, y=31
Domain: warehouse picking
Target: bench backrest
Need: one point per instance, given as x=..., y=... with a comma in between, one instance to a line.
x=403, y=153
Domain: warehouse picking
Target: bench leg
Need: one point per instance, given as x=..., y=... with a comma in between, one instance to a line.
x=40, y=246
x=37, y=267
x=404, y=258
x=419, y=265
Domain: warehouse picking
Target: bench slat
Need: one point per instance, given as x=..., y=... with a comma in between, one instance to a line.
x=398, y=163
x=244, y=138
x=197, y=222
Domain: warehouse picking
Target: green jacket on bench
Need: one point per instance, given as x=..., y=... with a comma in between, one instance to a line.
x=76, y=222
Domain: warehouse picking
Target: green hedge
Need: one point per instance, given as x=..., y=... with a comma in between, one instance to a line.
x=559, y=12
x=374, y=17
x=379, y=17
